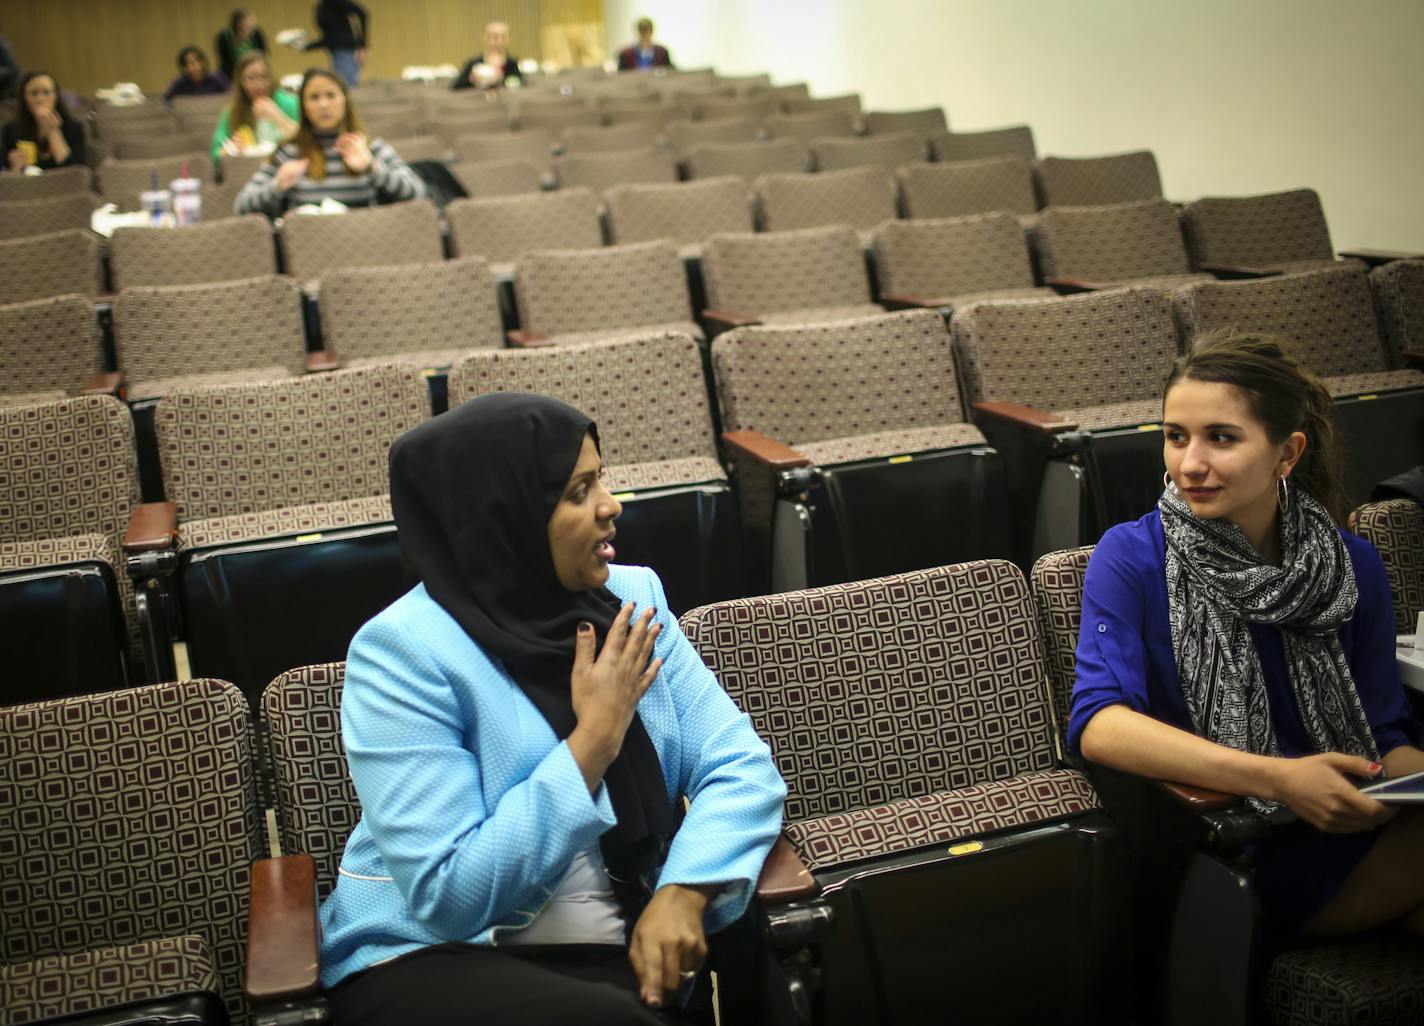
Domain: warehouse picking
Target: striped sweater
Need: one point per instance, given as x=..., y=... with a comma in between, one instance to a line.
x=388, y=180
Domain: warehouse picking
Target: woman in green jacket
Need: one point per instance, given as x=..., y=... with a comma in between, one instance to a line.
x=258, y=113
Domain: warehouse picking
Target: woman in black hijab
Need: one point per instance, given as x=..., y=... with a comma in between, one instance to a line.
x=520, y=728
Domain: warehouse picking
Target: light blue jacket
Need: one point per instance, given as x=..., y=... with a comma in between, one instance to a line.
x=472, y=810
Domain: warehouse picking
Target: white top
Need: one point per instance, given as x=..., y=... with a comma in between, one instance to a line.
x=582, y=909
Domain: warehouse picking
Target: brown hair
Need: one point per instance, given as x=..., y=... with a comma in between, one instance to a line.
x=1283, y=397
x=306, y=139
x=239, y=112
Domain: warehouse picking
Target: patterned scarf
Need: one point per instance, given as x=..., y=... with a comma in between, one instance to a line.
x=1217, y=584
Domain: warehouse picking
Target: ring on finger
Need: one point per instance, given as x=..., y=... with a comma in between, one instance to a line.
x=686, y=974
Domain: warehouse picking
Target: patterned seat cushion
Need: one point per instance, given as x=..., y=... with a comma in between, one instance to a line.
x=1114, y=243
x=1279, y=230
x=663, y=473
x=861, y=197
x=44, y=552
x=1163, y=281
x=1115, y=415
x=396, y=233
x=1375, y=980
x=1399, y=297
x=821, y=314
x=1057, y=581
x=745, y=160
x=285, y=522
x=157, y=388
x=217, y=250
x=567, y=291
x=89, y=980
x=422, y=358
x=1396, y=528
x=685, y=213
x=48, y=345
x=943, y=818
x=1380, y=381
x=883, y=444
x=503, y=228
x=56, y=264
x=983, y=256
x=30, y=398
x=1033, y=292
x=762, y=273
x=1015, y=141
x=689, y=328
x=1001, y=183
x=1091, y=181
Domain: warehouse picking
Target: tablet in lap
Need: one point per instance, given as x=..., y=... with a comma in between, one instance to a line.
x=1406, y=790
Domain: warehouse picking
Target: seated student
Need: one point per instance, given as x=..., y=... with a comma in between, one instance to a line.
x=520, y=728
x=1236, y=638
x=258, y=115
x=330, y=157
x=242, y=36
x=644, y=54
x=194, y=78
x=492, y=67
x=42, y=134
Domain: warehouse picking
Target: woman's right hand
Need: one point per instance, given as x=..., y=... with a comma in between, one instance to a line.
x=1317, y=790
x=290, y=173
x=265, y=107
x=605, y=689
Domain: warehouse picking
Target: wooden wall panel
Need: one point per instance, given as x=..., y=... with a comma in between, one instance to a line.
x=90, y=44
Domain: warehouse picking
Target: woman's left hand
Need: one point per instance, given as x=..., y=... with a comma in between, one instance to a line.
x=668, y=941
x=355, y=153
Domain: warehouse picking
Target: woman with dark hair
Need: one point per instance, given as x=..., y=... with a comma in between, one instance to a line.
x=258, y=115
x=521, y=728
x=242, y=36
x=329, y=158
x=43, y=134
x=1236, y=638
x=194, y=76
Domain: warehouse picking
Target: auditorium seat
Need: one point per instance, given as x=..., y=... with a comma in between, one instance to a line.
x=615, y=139
x=556, y=117
x=1014, y=141
x=1094, y=181
x=685, y=214
x=795, y=277
x=536, y=147
x=1398, y=289
x=683, y=135
x=482, y=179
x=648, y=397
x=632, y=111
x=414, y=147
x=755, y=109
x=847, y=103
x=49, y=348
x=1138, y=243
x=155, y=147
x=746, y=160
x=585, y=295
x=121, y=181
x=945, y=263
x=922, y=123
x=503, y=228
x=803, y=128
x=1396, y=528
x=1252, y=236
x=852, y=452
x=600, y=171
x=61, y=181
x=862, y=197
x=968, y=187
x=70, y=483
x=1070, y=392
x=22, y=218
x=886, y=151
x=909, y=717
x=453, y=125
x=397, y=233
x=131, y=826
x=221, y=249
x=57, y=264
x=783, y=93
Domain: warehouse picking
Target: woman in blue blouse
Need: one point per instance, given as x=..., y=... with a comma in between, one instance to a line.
x=1235, y=638
x=521, y=728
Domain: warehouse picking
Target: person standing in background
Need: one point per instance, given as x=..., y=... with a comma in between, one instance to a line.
x=241, y=35
x=644, y=54
x=42, y=134
x=9, y=71
x=343, y=32
x=493, y=66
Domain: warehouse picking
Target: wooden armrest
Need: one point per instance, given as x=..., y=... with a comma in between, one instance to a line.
x=282, y=931
x=106, y=383
x=904, y=300
x=1375, y=257
x=152, y=526
x=1199, y=799
x=1027, y=416
x=1229, y=272
x=521, y=339
x=1071, y=285
x=775, y=455
x=725, y=320
x=784, y=877
x=322, y=360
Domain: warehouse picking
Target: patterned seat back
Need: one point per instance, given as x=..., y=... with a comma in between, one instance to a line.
x=1327, y=316
x=887, y=151
x=847, y=103
x=1396, y=528
x=860, y=197
x=685, y=213
x=384, y=311
x=62, y=181
x=758, y=273
x=236, y=449
x=169, y=330
x=224, y=249
x=411, y=148
x=746, y=160
x=452, y=126
x=1014, y=141
x=1257, y=231
x=397, y=233
x=1057, y=580
x=1095, y=181
x=816, y=125
x=805, y=383
x=1112, y=243
x=58, y=264
x=923, y=123
x=154, y=147
x=599, y=171
x=560, y=291
x=615, y=139
x=482, y=179
x=1399, y=301
x=129, y=816
x=967, y=187
x=729, y=108
x=121, y=181
x=536, y=146
x=504, y=228
x=683, y=135
x=952, y=256
x=889, y=689
x=48, y=345
x=22, y=218
x=317, y=806
x=555, y=118
x=1106, y=347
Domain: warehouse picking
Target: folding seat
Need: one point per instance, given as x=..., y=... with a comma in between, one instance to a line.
x=1396, y=528
x=225, y=249
x=683, y=135
x=862, y=197
x=1399, y=301
x=1094, y=181
x=69, y=483
x=56, y=264
x=781, y=94
x=129, y=148
x=555, y=118
x=887, y=151
x=1251, y=236
x=62, y=181
x=21, y=218
x=792, y=277
x=504, y=228
x=755, y=109
x=1070, y=392
x=968, y=187
x=451, y=125
x=946, y=263
x=807, y=127
x=1194, y=902
x=1327, y=320
x=745, y=83
x=600, y=171
x=121, y=181
x=746, y=160
x=195, y=113
x=238, y=169
x=586, y=295
x=278, y=498
x=131, y=824
x=685, y=213
x=411, y=148
x=481, y=179
x=616, y=139
x=1085, y=248
x=650, y=115
x=49, y=348
x=648, y=396
x=848, y=103
x=397, y=233
x=923, y=123
x=535, y=146
x=909, y=717
x=839, y=481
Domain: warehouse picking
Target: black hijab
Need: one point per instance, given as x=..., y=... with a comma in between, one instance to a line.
x=472, y=491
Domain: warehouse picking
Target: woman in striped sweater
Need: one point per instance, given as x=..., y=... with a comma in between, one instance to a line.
x=330, y=156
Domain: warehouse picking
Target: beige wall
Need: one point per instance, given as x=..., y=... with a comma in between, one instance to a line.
x=1234, y=96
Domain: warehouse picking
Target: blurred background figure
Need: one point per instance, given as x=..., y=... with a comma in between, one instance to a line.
x=43, y=134
x=195, y=76
x=260, y=115
x=9, y=71
x=343, y=33
x=493, y=66
x=644, y=53
x=241, y=36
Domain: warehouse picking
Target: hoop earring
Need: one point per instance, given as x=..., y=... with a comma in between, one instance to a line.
x=1167, y=484
x=1282, y=495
